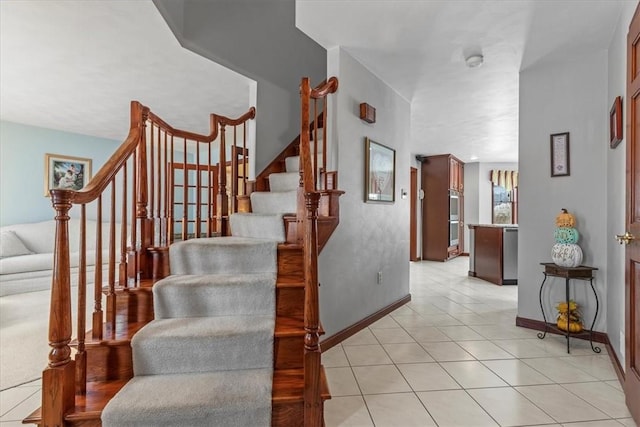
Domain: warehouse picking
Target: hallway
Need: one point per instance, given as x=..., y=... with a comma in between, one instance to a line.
x=453, y=358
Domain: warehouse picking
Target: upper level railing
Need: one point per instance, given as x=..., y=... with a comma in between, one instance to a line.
x=162, y=184
x=312, y=164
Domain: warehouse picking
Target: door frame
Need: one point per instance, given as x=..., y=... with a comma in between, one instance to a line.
x=413, y=215
x=632, y=223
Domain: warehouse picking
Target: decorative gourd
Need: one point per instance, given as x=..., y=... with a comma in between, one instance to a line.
x=566, y=235
x=569, y=318
x=573, y=326
x=565, y=219
x=562, y=306
x=566, y=254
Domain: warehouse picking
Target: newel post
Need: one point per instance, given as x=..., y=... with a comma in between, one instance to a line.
x=306, y=171
x=313, y=408
x=58, y=380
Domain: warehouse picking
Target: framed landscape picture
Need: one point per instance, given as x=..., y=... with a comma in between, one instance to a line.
x=380, y=172
x=65, y=172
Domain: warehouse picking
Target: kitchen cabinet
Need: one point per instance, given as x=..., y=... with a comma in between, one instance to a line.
x=442, y=210
x=493, y=253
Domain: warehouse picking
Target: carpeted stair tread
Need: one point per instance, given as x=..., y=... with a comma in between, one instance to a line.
x=200, y=344
x=292, y=164
x=270, y=202
x=224, y=398
x=214, y=295
x=223, y=255
x=258, y=225
x=284, y=181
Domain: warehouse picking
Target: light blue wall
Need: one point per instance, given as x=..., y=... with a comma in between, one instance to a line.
x=22, y=152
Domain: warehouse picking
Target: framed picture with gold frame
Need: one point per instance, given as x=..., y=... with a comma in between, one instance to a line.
x=65, y=172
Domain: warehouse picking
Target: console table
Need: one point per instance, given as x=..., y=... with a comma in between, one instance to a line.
x=583, y=273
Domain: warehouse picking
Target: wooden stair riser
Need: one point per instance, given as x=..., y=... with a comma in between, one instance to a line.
x=326, y=227
x=288, y=352
x=287, y=414
x=290, y=264
x=290, y=302
x=132, y=305
x=107, y=362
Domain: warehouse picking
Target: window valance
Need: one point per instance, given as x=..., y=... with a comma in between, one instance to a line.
x=504, y=178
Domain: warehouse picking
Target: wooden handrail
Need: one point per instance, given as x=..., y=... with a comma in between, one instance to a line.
x=134, y=186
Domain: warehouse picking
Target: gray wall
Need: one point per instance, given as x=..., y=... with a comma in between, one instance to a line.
x=568, y=96
x=615, y=199
x=371, y=237
x=576, y=95
x=259, y=40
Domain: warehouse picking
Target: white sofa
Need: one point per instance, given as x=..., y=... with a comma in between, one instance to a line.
x=26, y=254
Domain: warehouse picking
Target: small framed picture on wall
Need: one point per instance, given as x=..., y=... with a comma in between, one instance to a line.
x=560, y=154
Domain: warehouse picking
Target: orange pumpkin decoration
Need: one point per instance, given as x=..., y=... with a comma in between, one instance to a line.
x=574, y=326
x=565, y=219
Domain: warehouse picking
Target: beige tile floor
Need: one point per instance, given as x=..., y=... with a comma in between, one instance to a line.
x=450, y=358
x=454, y=358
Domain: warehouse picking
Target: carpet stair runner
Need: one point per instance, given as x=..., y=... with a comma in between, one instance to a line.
x=207, y=357
x=269, y=207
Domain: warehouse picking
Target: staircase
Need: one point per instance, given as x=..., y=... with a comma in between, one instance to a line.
x=231, y=336
x=207, y=357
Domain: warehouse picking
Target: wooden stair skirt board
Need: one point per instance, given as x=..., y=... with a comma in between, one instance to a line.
x=337, y=338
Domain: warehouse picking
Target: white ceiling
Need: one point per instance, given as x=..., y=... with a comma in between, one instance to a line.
x=418, y=47
x=75, y=65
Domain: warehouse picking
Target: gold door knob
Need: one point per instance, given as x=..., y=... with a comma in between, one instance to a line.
x=625, y=238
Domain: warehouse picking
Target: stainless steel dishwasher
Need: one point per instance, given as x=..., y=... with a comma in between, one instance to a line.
x=510, y=255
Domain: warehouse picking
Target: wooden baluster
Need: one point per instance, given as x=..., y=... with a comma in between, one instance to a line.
x=97, y=283
x=122, y=277
x=152, y=188
x=185, y=192
x=198, y=217
x=132, y=258
x=222, y=200
x=81, y=356
x=312, y=399
x=325, y=153
x=210, y=193
x=244, y=159
x=58, y=389
x=162, y=188
x=315, y=164
x=171, y=190
x=234, y=173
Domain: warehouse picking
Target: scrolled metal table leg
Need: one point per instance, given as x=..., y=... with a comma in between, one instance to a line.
x=596, y=349
x=541, y=335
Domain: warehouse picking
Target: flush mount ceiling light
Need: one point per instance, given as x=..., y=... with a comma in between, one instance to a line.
x=474, y=61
